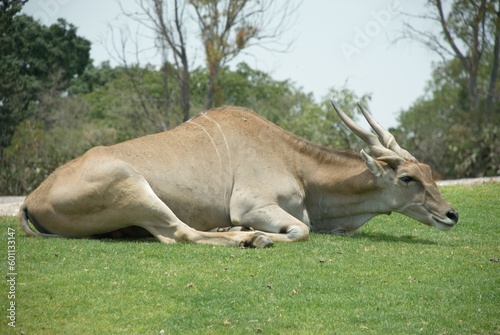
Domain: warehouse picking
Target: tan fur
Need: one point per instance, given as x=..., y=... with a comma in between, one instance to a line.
x=227, y=167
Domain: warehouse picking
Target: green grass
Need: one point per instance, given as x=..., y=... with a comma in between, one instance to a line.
x=395, y=276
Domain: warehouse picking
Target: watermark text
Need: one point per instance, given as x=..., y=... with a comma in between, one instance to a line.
x=11, y=276
x=363, y=36
x=48, y=10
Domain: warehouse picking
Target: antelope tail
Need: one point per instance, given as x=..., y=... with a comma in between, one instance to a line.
x=24, y=219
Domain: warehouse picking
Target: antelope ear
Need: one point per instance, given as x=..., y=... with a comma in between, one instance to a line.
x=372, y=164
x=393, y=161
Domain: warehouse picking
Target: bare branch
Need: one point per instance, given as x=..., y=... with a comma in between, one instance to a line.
x=448, y=36
x=466, y=32
x=419, y=16
x=227, y=27
x=428, y=39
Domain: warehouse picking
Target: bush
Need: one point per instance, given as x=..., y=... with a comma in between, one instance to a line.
x=477, y=155
x=34, y=153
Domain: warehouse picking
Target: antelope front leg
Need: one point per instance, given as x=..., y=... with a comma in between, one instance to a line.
x=275, y=222
x=167, y=228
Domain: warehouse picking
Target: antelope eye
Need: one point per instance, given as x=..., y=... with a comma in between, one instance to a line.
x=406, y=179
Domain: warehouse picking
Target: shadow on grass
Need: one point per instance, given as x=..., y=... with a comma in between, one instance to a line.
x=128, y=240
x=372, y=236
x=129, y=234
x=382, y=237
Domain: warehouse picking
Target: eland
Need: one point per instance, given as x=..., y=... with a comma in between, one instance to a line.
x=230, y=177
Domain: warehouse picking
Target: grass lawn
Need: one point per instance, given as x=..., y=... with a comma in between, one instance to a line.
x=395, y=276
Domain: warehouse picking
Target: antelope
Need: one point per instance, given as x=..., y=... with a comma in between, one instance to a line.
x=230, y=177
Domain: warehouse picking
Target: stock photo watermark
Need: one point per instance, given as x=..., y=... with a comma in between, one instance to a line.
x=48, y=9
x=365, y=34
x=11, y=276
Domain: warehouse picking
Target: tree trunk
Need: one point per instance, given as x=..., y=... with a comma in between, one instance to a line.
x=494, y=70
x=473, y=96
x=213, y=73
x=185, y=93
x=209, y=103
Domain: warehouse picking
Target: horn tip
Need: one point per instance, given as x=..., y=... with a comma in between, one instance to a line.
x=363, y=109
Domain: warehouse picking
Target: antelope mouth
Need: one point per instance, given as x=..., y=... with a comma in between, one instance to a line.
x=446, y=224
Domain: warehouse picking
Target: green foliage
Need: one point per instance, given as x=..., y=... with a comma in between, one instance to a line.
x=440, y=129
x=55, y=104
x=128, y=99
x=256, y=90
x=105, y=105
x=20, y=172
x=396, y=276
x=93, y=78
x=35, y=59
x=63, y=131
x=454, y=125
x=226, y=28
x=320, y=123
x=476, y=154
x=51, y=91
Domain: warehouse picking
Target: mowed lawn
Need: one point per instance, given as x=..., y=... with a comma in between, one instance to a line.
x=395, y=276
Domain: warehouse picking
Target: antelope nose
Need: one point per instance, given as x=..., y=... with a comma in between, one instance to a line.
x=452, y=215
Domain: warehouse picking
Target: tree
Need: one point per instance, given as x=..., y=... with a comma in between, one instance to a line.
x=494, y=71
x=167, y=21
x=35, y=59
x=94, y=78
x=437, y=128
x=14, y=92
x=39, y=146
x=254, y=89
x=37, y=64
x=228, y=27
x=320, y=123
x=286, y=105
x=469, y=32
x=133, y=106
x=454, y=125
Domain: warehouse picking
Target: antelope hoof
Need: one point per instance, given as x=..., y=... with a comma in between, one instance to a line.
x=258, y=241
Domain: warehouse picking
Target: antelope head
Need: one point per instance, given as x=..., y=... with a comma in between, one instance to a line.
x=408, y=185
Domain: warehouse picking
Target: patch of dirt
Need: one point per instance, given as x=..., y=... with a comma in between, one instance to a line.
x=469, y=181
x=9, y=206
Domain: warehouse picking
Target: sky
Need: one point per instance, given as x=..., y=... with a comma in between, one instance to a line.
x=335, y=43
